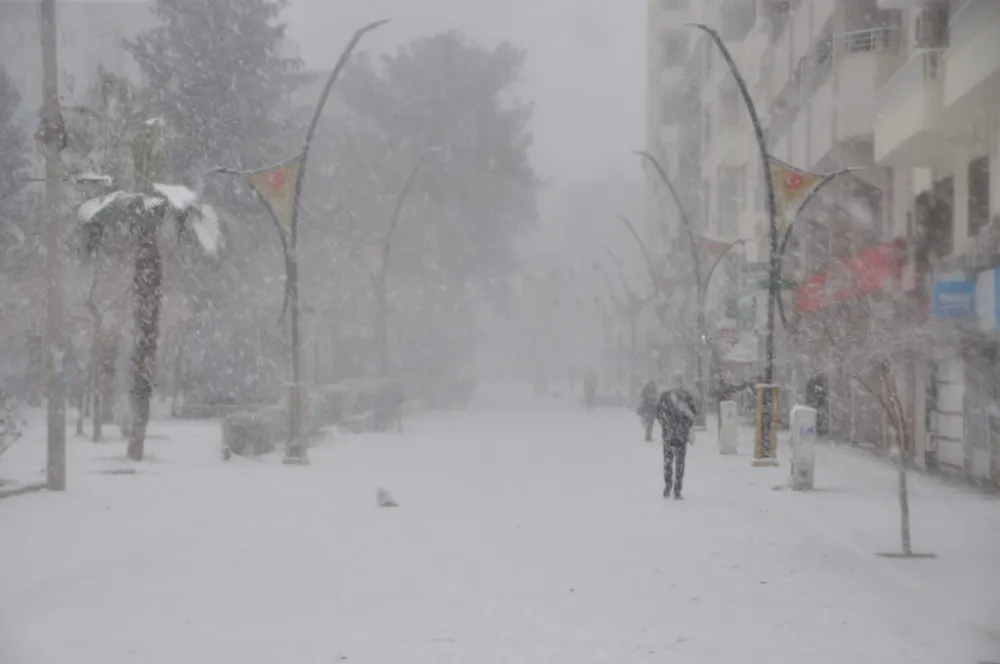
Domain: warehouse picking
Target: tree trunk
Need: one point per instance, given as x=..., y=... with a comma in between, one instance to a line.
x=97, y=422
x=898, y=419
x=146, y=286
x=94, y=380
x=81, y=411
x=52, y=136
x=904, y=506
x=178, y=374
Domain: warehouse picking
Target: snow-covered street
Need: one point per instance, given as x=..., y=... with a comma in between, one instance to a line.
x=529, y=530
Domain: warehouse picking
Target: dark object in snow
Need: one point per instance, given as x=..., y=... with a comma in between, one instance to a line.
x=227, y=453
x=647, y=408
x=383, y=499
x=247, y=434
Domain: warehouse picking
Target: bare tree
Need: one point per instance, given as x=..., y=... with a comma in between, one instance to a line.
x=872, y=339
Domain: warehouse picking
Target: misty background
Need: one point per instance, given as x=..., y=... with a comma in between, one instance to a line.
x=586, y=69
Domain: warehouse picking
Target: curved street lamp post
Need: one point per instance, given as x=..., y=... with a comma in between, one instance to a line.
x=296, y=449
x=379, y=273
x=765, y=403
x=700, y=285
x=631, y=300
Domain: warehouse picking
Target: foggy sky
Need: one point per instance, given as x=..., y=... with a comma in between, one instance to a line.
x=585, y=68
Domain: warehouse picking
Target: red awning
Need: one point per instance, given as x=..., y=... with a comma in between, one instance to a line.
x=871, y=271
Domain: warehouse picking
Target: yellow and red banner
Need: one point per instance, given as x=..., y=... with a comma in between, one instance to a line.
x=791, y=184
x=276, y=185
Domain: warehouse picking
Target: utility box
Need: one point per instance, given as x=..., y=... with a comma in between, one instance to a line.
x=803, y=439
x=728, y=428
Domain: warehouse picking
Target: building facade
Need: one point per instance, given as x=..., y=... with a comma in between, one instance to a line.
x=906, y=93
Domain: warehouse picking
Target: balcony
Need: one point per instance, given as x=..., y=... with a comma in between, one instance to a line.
x=864, y=63
x=972, y=65
x=909, y=108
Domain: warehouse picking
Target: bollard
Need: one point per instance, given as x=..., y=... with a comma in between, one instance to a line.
x=728, y=443
x=803, y=447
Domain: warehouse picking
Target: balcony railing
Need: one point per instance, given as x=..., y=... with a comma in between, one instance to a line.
x=921, y=67
x=969, y=18
x=872, y=40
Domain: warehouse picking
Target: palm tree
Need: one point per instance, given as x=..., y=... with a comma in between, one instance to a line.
x=133, y=218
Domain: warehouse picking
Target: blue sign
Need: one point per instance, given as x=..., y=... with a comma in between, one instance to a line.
x=988, y=299
x=955, y=300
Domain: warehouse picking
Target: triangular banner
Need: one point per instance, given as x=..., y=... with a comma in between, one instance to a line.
x=709, y=251
x=276, y=185
x=791, y=184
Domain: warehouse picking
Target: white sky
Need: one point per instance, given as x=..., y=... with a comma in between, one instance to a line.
x=585, y=68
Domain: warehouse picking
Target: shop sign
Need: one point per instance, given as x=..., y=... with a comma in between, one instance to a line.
x=954, y=300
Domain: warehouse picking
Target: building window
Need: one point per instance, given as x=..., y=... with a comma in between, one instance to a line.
x=979, y=194
x=674, y=47
x=673, y=5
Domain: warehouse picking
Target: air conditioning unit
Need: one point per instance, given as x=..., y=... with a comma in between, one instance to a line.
x=930, y=30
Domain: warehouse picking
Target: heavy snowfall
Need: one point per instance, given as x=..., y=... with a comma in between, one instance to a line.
x=538, y=331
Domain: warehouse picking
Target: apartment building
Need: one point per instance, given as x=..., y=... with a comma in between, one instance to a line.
x=669, y=118
x=908, y=93
x=938, y=129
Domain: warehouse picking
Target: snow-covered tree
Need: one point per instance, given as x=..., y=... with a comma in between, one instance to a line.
x=870, y=339
x=454, y=96
x=452, y=103
x=215, y=72
x=13, y=149
x=218, y=73
x=134, y=217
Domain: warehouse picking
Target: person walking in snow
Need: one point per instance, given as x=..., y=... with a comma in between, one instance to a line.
x=648, y=399
x=676, y=412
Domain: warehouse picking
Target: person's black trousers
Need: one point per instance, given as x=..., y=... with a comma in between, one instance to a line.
x=673, y=467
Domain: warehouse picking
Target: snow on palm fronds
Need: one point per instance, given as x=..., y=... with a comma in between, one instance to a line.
x=126, y=207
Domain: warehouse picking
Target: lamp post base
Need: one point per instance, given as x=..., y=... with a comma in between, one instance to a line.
x=297, y=447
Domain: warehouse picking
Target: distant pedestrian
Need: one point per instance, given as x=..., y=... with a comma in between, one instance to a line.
x=648, y=399
x=590, y=389
x=676, y=411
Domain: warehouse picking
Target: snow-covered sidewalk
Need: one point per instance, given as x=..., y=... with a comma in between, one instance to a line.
x=529, y=530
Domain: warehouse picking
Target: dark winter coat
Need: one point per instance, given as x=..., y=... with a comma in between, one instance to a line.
x=676, y=412
x=648, y=400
